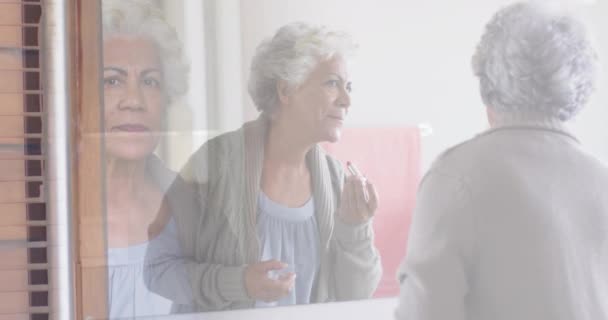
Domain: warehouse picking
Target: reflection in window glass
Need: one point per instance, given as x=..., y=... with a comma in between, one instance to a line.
x=228, y=184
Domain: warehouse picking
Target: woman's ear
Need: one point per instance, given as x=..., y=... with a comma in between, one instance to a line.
x=283, y=92
x=491, y=117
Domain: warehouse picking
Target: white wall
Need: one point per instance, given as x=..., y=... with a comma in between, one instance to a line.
x=414, y=62
x=211, y=35
x=413, y=65
x=590, y=125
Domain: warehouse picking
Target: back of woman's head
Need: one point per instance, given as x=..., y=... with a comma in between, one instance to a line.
x=535, y=61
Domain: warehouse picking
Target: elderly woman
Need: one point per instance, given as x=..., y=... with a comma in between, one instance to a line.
x=512, y=224
x=143, y=72
x=276, y=221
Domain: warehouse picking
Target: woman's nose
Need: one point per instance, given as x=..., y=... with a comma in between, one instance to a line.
x=133, y=99
x=344, y=98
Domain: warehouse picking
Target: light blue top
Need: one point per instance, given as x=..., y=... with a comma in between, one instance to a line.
x=128, y=296
x=290, y=235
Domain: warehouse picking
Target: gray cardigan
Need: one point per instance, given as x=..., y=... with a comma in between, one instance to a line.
x=214, y=205
x=512, y=224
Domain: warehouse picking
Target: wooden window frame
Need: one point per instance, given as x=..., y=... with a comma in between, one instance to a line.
x=87, y=160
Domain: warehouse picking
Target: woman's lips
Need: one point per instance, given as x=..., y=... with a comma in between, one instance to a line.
x=336, y=118
x=131, y=128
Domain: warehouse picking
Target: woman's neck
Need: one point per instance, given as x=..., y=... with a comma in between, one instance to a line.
x=286, y=148
x=133, y=202
x=125, y=179
x=286, y=178
x=507, y=119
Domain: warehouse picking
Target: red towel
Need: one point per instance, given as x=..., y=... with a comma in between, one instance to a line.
x=390, y=158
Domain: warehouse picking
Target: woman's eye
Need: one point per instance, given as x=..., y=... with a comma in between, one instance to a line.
x=332, y=83
x=152, y=83
x=111, y=82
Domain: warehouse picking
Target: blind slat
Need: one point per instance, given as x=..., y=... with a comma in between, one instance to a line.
x=31, y=266
x=26, y=135
x=12, y=258
x=20, y=316
x=17, y=283
x=23, y=114
x=10, y=37
x=10, y=169
x=12, y=214
x=10, y=59
x=21, y=244
x=11, y=103
x=14, y=280
x=14, y=302
x=24, y=229
x=10, y=13
x=21, y=92
x=12, y=192
x=39, y=309
x=11, y=81
x=23, y=179
x=11, y=126
x=27, y=201
x=13, y=233
x=17, y=156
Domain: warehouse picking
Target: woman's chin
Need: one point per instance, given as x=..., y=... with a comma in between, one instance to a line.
x=333, y=136
x=131, y=152
x=130, y=147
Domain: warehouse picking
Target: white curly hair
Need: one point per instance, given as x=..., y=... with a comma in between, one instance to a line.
x=291, y=55
x=535, y=61
x=144, y=18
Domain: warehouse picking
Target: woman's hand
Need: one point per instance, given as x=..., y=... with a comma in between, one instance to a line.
x=359, y=199
x=260, y=286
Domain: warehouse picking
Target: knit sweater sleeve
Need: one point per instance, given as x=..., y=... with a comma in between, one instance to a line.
x=212, y=286
x=433, y=275
x=356, y=269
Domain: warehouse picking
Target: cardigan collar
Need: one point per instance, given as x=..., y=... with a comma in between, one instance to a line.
x=254, y=138
x=527, y=123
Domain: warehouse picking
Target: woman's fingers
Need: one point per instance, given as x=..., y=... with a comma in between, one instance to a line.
x=359, y=197
x=285, y=283
x=276, y=289
x=270, y=265
x=265, y=281
x=356, y=173
x=372, y=204
x=350, y=193
x=360, y=201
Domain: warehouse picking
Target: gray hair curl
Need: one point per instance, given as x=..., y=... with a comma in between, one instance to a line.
x=143, y=18
x=535, y=60
x=291, y=55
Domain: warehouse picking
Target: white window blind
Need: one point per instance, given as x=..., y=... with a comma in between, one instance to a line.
x=24, y=259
